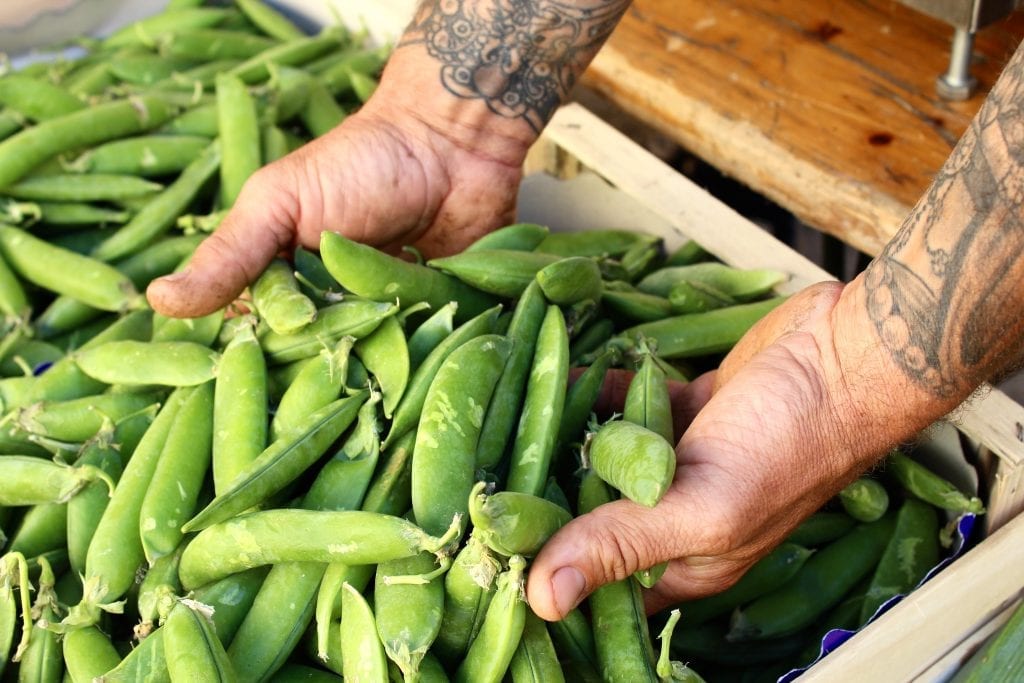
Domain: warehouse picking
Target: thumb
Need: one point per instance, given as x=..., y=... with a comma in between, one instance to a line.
x=604, y=545
x=260, y=225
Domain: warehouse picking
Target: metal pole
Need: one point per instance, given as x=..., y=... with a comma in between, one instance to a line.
x=958, y=83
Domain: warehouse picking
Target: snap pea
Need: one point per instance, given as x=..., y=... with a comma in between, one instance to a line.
x=688, y=252
x=740, y=284
x=491, y=651
x=692, y=296
x=468, y=589
x=337, y=75
x=146, y=68
x=356, y=318
x=191, y=646
x=300, y=673
x=14, y=575
x=408, y=615
x=33, y=481
x=238, y=123
x=385, y=354
x=362, y=653
x=517, y=237
x=590, y=340
x=636, y=307
x=864, y=499
x=88, y=653
x=145, y=31
x=647, y=400
x=312, y=272
x=64, y=272
x=502, y=272
x=293, y=52
x=319, y=382
x=929, y=487
x=172, y=363
x=362, y=85
x=609, y=242
x=81, y=419
x=443, y=470
x=157, y=592
x=574, y=643
x=148, y=156
x=203, y=330
x=535, y=660
x=27, y=149
x=642, y=258
x=821, y=527
x=278, y=300
x=430, y=333
x=580, y=399
x=257, y=538
x=512, y=523
x=570, y=280
x=201, y=77
x=43, y=528
x=633, y=459
x=43, y=659
x=86, y=509
x=36, y=98
x=505, y=406
x=269, y=20
x=322, y=112
x=200, y=121
x=212, y=44
x=281, y=462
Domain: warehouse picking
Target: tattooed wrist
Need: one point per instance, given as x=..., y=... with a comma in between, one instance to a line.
x=519, y=57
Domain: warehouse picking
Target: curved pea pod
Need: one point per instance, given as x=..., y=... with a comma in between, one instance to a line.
x=373, y=274
x=535, y=660
x=580, y=399
x=13, y=300
x=43, y=528
x=238, y=123
x=203, y=330
x=516, y=237
x=81, y=419
x=699, y=334
x=390, y=491
x=534, y=444
x=407, y=413
x=468, y=589
x=622, y=640
x=571, y=280
x=443, y=470
x=430, y=333
x=157, y=592
x=293, y=52
x=36, y=98
x=281, y=462
x=33, y=481
x=86, y=509
x=64, y=272
x=348, y=536
x=691, y=296
x=642, y=258
x=175, y=364
x=319, y=381
x=191, y=646
x=43, y=659
x=911, y=553
x=502, y=272
x=769, y=573
x=688, y=252
x=408, y=614
x=277, y=299
x=14, y=596
x=632, y=459
x=385, y=354
x=821, y=583
x=353, y=318
x=148, y=155
x=574, y=643
x=930, y=487
x=602, y=242
x=866, y=500
x=312, y=273
x=591, y=340
x=647, y=400
x=491, y=651
x=636, y=307
x=362, y=653
x=822, y=527
x=146, y=30
x=740, y=284
x=512, y=523
x=88, y=654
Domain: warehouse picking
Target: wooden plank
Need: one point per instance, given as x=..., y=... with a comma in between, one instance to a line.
x=991, y=417
x=911, y=637
x=827, y=108
x=950, y=663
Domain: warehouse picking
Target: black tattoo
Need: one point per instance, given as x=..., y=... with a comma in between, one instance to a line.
x=521, y=57
x=946, y=292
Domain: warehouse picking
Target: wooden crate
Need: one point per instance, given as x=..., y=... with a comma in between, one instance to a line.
x=926, y=635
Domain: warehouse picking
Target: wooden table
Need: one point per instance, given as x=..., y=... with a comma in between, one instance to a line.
x=827, y=108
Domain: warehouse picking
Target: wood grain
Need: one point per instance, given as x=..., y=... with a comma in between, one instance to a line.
x=829, y=109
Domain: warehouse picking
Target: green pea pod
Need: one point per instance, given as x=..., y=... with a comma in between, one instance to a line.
x=200, y=121
x=512, y=523
x=688, y=296
x=636, y=307
x=444, y=468
x=34, y=481
x=408, y=615
x=574, y=643
x=580, y=399
x=144, y=31
x=866, y=500
x=622, y=640
x=535, y=660
x=390, y=491
x=281, y=462
x=258, y=538
x=35, y=98
x=688, y=252
x=590, y=341
x=203, y=330
x=318, y=383
x=157, y=591
x=277, y=299
x=769, y=573
x=385, y=354
x=147, y=156
x=516, y=237
x=737, y=283
x=571, y=280
x=407, y=413
x=175, y=364
x=468, y=589
x=594, y=242
x=173, y=491
x=88, y=654
x=239, y=426
x=43, y=528
x=911, y=553
x=81, y=419
x=647, y=400
x=86, y=509
x=492, y=650
x=534, y=444
x=269, y=20
x=632, y=459
x=354, y=318
x=14, y=595
x=322, y=112
x=342, y=481
x=290, y=53
x=238, y=123
x=506, y=403
x=929, y=487
x=362, y=653
x=821, y=583
x=212, y=44
x=73, y=187
x=43, y=659
x=430, y=333
x=502, y=272
x=337, y=76
x=191, y=645
x=300, y=673
x=373, y=274
x=822, y=527
x=59, y=270
x=310, y=269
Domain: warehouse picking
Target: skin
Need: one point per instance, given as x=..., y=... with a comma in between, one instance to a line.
x=809, y=399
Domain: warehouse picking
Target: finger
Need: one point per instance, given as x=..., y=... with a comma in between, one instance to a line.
x=259, y=226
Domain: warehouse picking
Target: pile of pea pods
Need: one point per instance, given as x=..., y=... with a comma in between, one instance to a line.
x=347, y=471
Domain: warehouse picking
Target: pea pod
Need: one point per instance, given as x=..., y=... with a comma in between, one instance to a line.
x=43, y=659
x=929, y=487
x=88, y=653
x=688, y=252
x=81, y=419
x=492, y=650
x=607, y=242
x=144, y=31
x=443, y=470
x=319, y=381
x=157, y=591
x=580, y=399
x=269, y=20
x=468, y=589
x=635, y=306
x=86, y=509
x=574, y=643
x=373, y=274
x=277, y=298
x=864, y=499
x=742, y=285
x=33, y=481
x=647, y=400
x=430, y=333
x=43, y=528
x=362, y=653
x=514, y=523
x=502, y=272
x=35, y=98
x=821, y=527
x=212, y=44
x=294, y=52
x=354, y=318
x=517, y=237
x=349, y=536
x=191, y=646
x=322, y=112
x=535, y=660
x=633, y=459
x=14, y=575
x=590, y=341
x=385, y=354
x=173, y=363
x=687, y=296
x=408, y=615
x=1000, y=657
x=570, y=280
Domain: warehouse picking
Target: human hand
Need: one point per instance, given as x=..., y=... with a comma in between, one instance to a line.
x=798, y=409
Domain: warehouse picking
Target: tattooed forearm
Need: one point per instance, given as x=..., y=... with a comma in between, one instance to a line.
x=521, y=57
x=947, y=293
